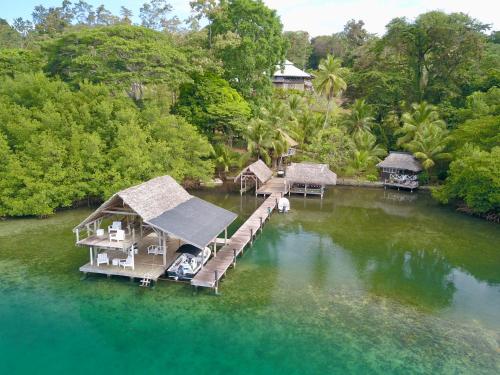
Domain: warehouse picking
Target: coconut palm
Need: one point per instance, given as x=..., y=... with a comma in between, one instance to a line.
x=421, y=115
x=429, y=145
x=296, y=104
x=360, y=119
x=330, y=80
x=259, y=137
x=367, y=152
x=225, y=158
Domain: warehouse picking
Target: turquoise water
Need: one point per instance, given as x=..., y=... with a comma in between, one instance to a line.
x=365, y=281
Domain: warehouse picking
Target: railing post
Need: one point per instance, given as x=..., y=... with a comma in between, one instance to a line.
x=216, y=287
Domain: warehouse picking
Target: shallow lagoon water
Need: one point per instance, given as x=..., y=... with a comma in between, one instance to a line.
x=365, y=281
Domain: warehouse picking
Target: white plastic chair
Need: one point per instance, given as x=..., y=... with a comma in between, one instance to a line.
x=129, y=262
x=119, y=235
x=117, y=225
x=102, y=258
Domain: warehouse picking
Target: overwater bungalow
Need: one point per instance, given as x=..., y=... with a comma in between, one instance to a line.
x=257, y=173
x=309, y=178
x=400, y=170
x=137, y=231
x=291, y=77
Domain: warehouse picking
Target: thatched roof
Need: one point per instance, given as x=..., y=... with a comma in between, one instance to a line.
x=310, y=173
x=259, y=169
x=291, y=142
x=163, y=198
x=401, y=160
x=290, y=70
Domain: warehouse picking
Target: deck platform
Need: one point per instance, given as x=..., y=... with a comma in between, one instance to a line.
x=145, y=264
x=408, y=185
x=274, y=185
x=210, y=275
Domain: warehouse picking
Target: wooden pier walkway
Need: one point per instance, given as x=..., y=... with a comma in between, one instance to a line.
x=274, y=185
x=210, y=275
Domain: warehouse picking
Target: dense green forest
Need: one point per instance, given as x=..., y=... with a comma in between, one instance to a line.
x=91, y=103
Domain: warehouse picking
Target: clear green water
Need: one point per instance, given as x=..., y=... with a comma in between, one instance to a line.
x=363, y=282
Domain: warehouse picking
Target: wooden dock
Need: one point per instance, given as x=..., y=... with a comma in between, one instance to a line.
x=274, y=185
x=210, y=275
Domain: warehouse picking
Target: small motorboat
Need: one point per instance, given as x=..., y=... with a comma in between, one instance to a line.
x=283, y=205
x=188, y=262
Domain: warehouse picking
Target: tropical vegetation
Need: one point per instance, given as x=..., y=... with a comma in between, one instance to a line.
x=91, y=102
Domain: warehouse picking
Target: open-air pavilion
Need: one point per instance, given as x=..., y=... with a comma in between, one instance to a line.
x=147, y=224
x=309, y=178
x=257, y=173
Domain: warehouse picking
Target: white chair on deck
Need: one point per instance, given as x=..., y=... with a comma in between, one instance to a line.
x=117, y=225
x=102, y=258
x=129, y=262
x=119, y=235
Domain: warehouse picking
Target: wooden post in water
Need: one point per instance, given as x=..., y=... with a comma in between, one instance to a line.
x=234, y=258
x=251, y=236
x=261, y=226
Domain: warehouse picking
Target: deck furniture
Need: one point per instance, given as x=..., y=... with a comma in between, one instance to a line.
x=116, y=225
x=99, y=232
x=102, y=258
x=156, y=250
x=119, y=235
x=129, y=262
x=116, y=261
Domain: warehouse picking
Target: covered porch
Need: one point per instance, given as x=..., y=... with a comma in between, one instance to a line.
x=146, y=261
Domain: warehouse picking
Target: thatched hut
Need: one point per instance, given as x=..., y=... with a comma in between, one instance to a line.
x=253, y=175
x=400, y=169
x=309, y=178
x=145, y=220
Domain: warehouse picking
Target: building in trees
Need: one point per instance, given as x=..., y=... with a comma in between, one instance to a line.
x=291, y=77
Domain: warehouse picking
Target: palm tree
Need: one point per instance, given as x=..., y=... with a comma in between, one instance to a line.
x=429, y=145
x=225, y=158
x=296, y=104
x=259, y=139
x=367, y=152
x=422, y=114
x=330, y=80
x=360, y=119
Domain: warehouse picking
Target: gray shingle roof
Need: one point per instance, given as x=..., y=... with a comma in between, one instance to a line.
x=195, y=221
x=401, y=160
x=290, y=70
x=310, y=173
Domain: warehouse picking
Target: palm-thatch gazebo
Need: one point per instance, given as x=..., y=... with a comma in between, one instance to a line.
x=253, y=175
x=148, y=222
x=400, y=169
x=309, y=178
